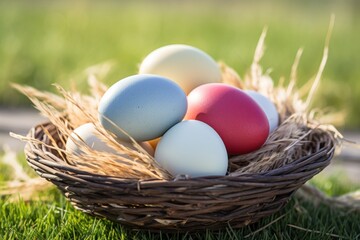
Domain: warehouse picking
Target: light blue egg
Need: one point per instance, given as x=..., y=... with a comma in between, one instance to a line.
x=144, y=106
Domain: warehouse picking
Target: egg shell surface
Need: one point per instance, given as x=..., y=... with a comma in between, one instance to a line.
x=144, y=106
x=186, y=65
x=268, y=107
x=235, y=116
x=192, y=148
x=87, y=134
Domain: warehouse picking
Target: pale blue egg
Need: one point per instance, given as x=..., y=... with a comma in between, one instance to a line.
x=143, y=105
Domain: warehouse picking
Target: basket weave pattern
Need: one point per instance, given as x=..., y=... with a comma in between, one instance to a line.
x=182, y=204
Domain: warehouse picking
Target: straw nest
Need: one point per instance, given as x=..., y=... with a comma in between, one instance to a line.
x=134, y=190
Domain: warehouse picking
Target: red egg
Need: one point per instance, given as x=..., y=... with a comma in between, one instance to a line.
x=238, y=119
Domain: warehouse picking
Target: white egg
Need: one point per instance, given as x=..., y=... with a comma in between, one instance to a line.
x=192, y=148
x=86, y=133
x=268, y=107
x=188, y=66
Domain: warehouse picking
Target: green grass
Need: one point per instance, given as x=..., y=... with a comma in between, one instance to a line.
x=54, y=218
x=45, y=42
x=335, y=184
x=50, y=216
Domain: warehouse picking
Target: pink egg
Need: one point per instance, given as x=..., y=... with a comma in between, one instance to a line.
x=238, y=119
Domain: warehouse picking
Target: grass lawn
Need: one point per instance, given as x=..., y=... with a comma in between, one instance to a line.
x=44, y=42
x=54, y=218
x=48, y=215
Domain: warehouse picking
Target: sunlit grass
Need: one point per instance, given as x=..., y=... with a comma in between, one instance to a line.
x=50, y=216
x=335, y=184
x=54, y=218
x=42, y=43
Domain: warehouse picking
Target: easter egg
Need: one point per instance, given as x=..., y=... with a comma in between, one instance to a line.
x=268, y=107
x=192, y=148
x=186, y=65
x=143, y=106
x=87, y=134
x=235, y=116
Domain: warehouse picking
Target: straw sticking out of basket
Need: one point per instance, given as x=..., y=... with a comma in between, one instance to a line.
x=137, y=164
x=70, y=109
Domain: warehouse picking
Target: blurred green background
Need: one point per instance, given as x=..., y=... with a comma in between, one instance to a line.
x=43, y=42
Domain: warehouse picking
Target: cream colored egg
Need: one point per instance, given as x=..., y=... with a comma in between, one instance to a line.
x=192, y=148
x=86, y=133
x=188, y=66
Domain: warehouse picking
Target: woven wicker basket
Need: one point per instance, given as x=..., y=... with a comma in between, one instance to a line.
x=181, y=204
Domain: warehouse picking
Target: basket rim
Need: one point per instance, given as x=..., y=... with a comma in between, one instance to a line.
x=275, y=175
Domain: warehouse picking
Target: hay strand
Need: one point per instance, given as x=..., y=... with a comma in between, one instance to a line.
x=323, y=62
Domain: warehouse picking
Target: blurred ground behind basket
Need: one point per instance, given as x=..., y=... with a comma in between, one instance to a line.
x=20, y=120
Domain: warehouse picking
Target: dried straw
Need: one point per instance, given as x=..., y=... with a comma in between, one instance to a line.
x=21, y=186
x=76, y=109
